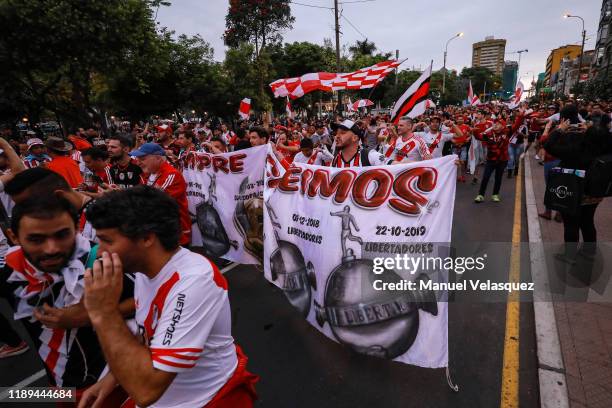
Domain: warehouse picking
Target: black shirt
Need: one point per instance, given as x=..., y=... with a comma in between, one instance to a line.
x=124, y=177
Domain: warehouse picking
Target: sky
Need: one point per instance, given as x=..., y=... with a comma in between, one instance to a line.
x=418, y=28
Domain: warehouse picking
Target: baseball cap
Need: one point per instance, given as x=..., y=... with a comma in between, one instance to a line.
x=34, y=142
x=148, y=149
x=347, y=124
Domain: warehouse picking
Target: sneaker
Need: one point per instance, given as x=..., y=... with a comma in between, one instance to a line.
x=495, y=198
x=9, y=351
x=479, y=198
x=537, y=157
x=474, y=181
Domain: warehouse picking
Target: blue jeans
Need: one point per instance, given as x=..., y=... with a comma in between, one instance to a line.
x=514, y=152
x=547, y=167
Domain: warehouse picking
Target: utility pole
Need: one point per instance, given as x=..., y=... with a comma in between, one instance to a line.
x=337, y=21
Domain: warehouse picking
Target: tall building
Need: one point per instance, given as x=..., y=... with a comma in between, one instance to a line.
x=553, y=62
x=568, y=75
x=490, y=54
x=603, y=46
x=509, y=75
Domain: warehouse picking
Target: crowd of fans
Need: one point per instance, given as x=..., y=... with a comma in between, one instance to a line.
x=127, y=194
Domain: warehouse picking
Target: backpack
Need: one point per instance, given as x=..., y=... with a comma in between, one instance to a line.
x=598, y=181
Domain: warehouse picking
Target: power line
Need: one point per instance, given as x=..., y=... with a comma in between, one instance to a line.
x=356, y=1
x=311, y=5
x=353, y=25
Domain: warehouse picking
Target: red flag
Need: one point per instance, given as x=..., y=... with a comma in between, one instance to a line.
x=245, y=108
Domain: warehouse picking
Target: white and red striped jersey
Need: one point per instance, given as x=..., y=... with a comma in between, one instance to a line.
x=318, y=157
x=184, y=316
x=374, y=157
x=413, y=148
x=76, y=156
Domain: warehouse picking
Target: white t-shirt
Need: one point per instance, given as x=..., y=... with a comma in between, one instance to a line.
x=184, y=316
x=317, y=157
x=435, y=141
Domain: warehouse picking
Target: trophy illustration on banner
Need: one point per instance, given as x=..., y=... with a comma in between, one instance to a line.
x=215, y=240
x=248, y=219
x=288, y=267
x=377, y=323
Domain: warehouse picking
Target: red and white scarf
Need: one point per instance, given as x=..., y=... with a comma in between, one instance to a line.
x=39, y=284
x=435, y=143
x=407, y=148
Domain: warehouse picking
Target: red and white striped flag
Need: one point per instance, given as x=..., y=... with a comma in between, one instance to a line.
x=245, y=108
x=516, y=98
x=413, y=102
x=363, y=78
x=473, y=100
x=288, y=109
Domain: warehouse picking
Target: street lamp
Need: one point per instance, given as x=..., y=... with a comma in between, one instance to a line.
x=445, y=52
x=566, y=16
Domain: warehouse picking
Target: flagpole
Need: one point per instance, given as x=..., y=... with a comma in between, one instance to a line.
x=484, y=92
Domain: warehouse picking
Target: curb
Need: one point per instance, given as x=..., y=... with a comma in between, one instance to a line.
x=551, y=370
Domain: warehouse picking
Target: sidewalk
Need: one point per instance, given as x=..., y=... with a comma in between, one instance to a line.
x=585, y=328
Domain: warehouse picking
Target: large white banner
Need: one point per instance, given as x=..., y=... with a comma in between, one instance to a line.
x=225, y=193
x=326, y=231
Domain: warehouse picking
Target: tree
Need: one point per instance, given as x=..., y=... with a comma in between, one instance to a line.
x=258, y=22
x=54, y=50
x=364, y=47
x=481, y=76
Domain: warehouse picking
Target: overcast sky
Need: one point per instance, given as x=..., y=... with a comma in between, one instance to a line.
x=419, y=29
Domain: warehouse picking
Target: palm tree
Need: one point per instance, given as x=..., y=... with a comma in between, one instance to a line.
x=364, y=47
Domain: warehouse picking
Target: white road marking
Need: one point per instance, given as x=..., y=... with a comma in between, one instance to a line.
x=25, y=382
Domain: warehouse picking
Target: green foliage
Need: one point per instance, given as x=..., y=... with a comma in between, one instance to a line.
x=596, y=88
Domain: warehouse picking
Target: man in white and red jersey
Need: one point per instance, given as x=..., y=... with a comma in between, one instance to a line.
x=350, y=152
x=309, y=155
x=436, y=137
x=184, y=354
x=407, y=146
x=157, y=172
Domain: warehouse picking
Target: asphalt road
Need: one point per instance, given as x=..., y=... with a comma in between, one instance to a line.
x=301, y=368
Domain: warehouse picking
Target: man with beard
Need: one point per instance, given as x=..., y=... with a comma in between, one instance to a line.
x=43, y=281
x=350, y=152
x=157, y=172
x=124, y=170
x=184, y=355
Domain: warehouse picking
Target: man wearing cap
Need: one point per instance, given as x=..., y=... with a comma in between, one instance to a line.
x=36, y=153
x=157, y=172
x=350, y=151
x=62, y=163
